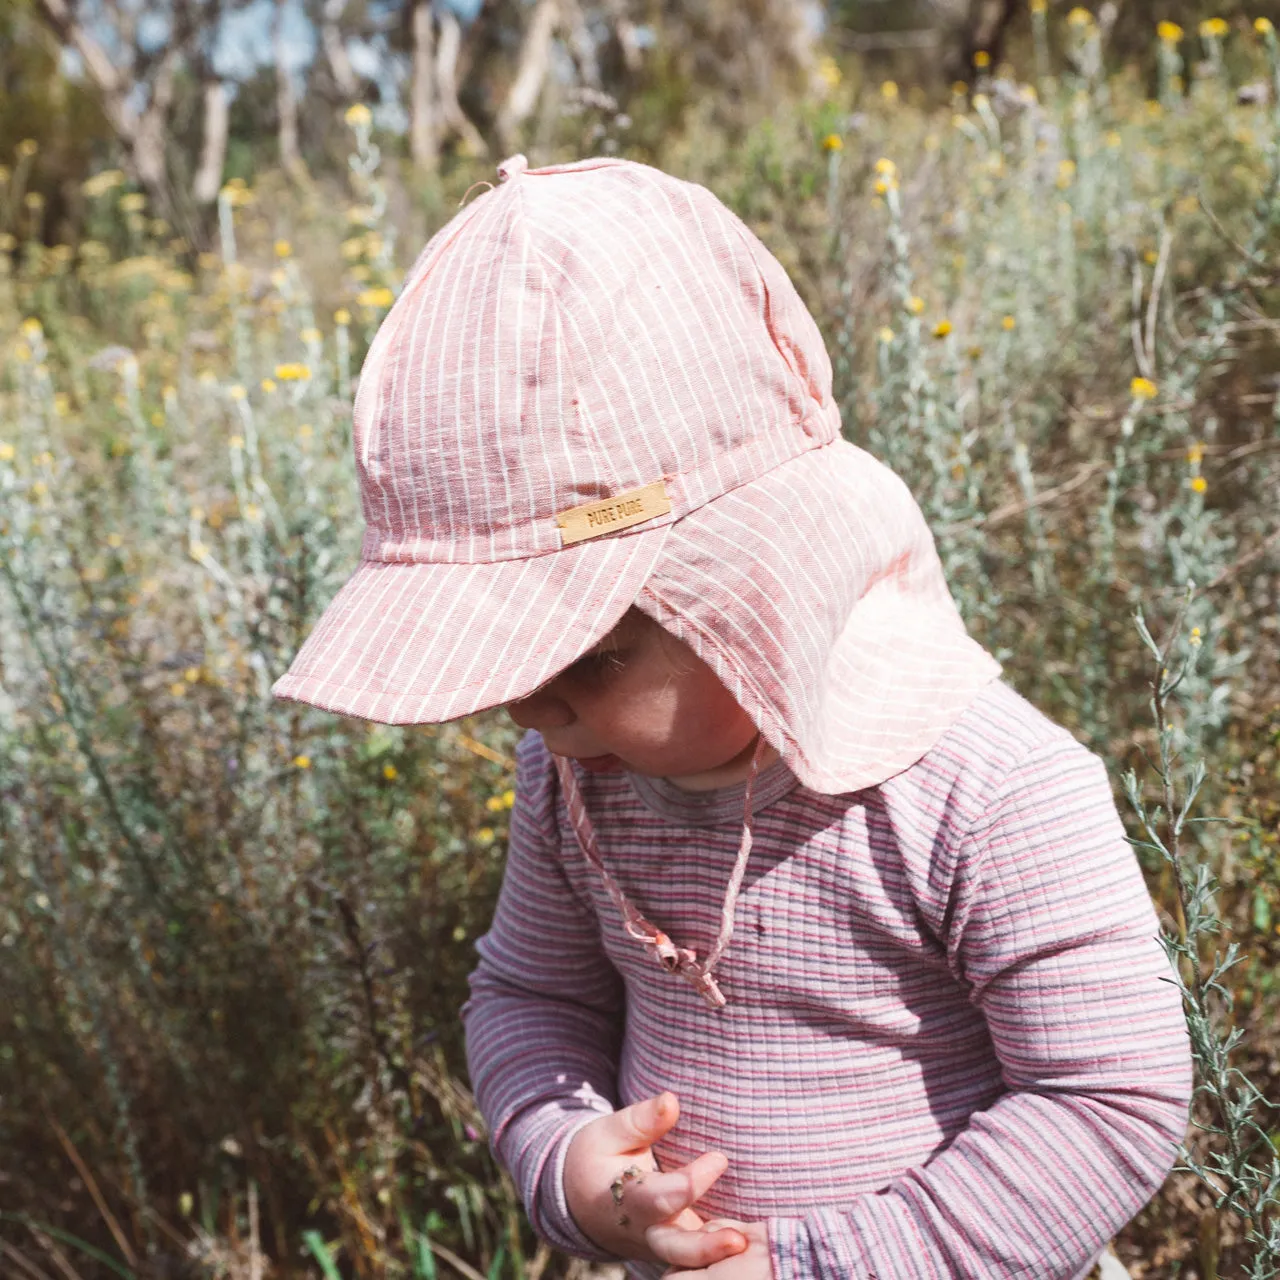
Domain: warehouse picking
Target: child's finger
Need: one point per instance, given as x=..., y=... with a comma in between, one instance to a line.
x=694, y=1249
x=659, y=1197
x=634, y=1128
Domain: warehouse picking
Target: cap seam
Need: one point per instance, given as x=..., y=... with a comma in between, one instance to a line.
x=598, y=459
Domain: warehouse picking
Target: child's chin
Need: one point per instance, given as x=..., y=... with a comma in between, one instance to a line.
x=602, y=764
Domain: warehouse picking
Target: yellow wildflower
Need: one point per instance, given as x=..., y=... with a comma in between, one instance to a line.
x=283, y=248
x=884, y=185
x=1214, y=28
x=1142, y=388
x=236, y=442
x=886, y=335
x=1263, y=26
x=390, y=772
x=358, y=116
x=1195, y=454
x=115, y=541
x=1038, y=6
x=942, y=328
x=252, y=513
x=889, y=91
x=342, y=317
x=1008, y=323
x=1198, y=484
x=293, y=372
x=191, y=675
x=134, y=202
x=302, y=762
x=311, y=336
x=829, y=72
x=102, y=182
x=885, y=167
x=177, y=689
x=33, y=200
x=1169, y=32
x=833, y=142
x=32, y=328
x=914, y=304
x=237, y=392
x=1112, y=139
x=982, y=59
x=7, y=451
x=1066, y=173
x=27, y=148
x=1080, y=17
x=1196, y=638
x=268, y=385
x=485, y=836
x=157, y=418
x=380, y=296
x=22, y=351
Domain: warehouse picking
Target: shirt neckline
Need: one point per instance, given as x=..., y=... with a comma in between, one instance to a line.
x=717, y=806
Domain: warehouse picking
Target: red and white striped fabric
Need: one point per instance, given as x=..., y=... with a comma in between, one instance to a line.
x=580, y=334
x=950, y=1049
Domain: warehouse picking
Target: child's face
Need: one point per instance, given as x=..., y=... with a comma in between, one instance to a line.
x=643, y=701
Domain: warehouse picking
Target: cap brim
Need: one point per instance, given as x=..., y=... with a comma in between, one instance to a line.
x=406, y=643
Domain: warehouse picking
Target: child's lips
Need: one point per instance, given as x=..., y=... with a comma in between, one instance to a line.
x=601, y=764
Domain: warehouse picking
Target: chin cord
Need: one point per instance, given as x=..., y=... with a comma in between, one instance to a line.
x=674, y=959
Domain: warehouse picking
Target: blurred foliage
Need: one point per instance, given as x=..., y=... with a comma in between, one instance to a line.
x=40, y=105
x=235, y=933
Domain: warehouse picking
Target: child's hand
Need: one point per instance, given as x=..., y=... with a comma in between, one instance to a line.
x=615, y=1192
x=683, y=1251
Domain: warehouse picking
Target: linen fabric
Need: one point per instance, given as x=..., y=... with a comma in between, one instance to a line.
x=951, y=1048
x=580, y=332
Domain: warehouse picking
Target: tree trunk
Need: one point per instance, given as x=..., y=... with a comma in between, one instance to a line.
x=286, y=103
x=447, y=83
x=581, y=44
x=335, y=49
x=531, y=71
x=149, y=134
x=213, y=151
x=624, y=31
x=424, y=140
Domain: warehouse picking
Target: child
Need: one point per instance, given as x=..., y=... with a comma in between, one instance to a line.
x=803, y=906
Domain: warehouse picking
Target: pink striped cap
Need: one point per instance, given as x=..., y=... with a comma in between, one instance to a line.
x=599, y=389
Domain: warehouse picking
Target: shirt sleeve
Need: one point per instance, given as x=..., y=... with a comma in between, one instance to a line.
x=1049, y=926
x=544, y=1021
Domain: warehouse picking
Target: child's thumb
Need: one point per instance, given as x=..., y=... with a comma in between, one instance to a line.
x=639, y=1126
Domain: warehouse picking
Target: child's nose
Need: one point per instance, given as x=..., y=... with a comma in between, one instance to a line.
x=541, y=710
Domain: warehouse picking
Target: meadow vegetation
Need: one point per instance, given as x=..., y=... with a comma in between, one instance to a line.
x=234, y=934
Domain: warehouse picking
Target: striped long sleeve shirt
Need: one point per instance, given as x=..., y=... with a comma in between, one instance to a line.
x=950, y=1048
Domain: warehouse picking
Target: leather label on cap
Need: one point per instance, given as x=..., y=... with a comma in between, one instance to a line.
x=610, y=515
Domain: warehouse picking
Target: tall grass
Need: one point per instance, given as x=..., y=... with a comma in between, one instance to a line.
x=234, y=934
